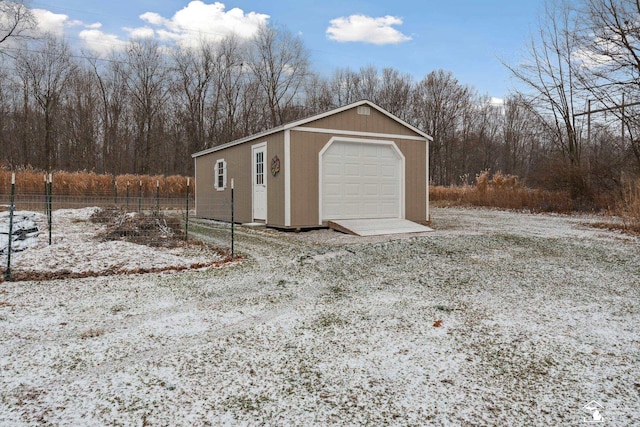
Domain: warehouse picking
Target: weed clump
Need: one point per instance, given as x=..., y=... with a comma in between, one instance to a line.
x=151, y=229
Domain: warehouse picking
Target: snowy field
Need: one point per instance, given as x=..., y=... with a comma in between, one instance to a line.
x=495, y=318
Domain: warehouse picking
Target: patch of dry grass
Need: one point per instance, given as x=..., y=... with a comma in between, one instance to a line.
x=628, y=208
x=31, y=181
x=501, y=191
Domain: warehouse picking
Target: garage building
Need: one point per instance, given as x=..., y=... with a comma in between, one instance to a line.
x=354, y=162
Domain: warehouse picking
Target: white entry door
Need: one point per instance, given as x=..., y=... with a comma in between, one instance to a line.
x=361, y=180
x=259, y=154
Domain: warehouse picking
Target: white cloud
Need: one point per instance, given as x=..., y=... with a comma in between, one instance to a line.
x=154, y=18
x=140, y=32
x=100, y=42
x=366, y=29
x=51, y=23
x=591, y=58
x=187, y=27
x=200, y=21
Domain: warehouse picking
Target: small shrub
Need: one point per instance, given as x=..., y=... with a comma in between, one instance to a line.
x=151, y=229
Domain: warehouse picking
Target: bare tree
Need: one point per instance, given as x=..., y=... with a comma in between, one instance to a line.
x=438, y=102
x=47, y=71
x=196, y=69
x=147, y=83
x=345, y=86
x=550, y=73
x=280, y=63
x=79, y=127
x=319, y=96
x=368, y=83
x=16, y=21
x=476, y=144
x=610, y=54
x=234, y=81
x=519, y=136
x=394, y=93
x=111, y=116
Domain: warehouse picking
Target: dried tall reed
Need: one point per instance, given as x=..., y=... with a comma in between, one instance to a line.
x=84, y=184
x=629, y=206
x=502, y=191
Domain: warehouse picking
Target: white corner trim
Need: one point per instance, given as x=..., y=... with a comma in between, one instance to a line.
x=287, y=178
x=427, y=179
x=195, y=174
x=325, y=148
x=395, y=148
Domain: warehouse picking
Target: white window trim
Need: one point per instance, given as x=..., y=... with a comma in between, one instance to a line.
x=216, y=175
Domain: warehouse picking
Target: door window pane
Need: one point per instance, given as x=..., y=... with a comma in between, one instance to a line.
x=260, y=167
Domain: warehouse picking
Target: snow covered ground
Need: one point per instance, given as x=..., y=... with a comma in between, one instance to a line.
x=495, y=318
x=76, y=249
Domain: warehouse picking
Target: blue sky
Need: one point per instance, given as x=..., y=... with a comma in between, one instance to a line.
x=466, y=37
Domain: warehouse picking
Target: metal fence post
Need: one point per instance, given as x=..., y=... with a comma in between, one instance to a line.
x=186, y=223
x=11, y=208
x=140, y=197
x=232, y=236
x=127, y=208
x=115, y=191
x=46, y=197
x=158, y=196
x=50, y=206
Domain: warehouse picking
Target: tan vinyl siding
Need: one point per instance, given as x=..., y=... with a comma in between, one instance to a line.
x=415, y=155
x=275, y=184
x=214, y=204
x=305, y=149
x=211, y=203
x=350, y=120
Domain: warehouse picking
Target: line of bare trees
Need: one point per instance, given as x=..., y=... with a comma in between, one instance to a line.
x=147, y=108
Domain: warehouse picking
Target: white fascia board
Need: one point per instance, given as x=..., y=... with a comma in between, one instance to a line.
x=358, y=133
x=399, y=120
x=238, y=141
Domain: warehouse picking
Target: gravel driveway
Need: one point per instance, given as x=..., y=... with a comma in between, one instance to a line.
x=495, y=318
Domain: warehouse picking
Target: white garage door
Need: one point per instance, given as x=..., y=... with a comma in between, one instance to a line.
x=361, y=180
